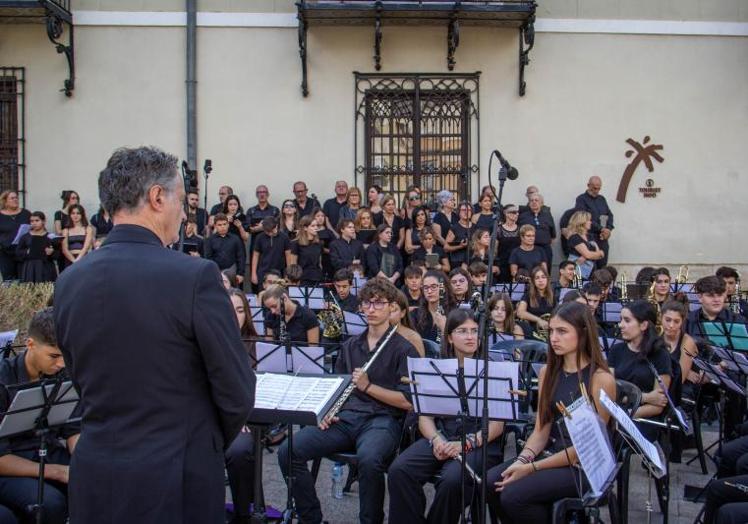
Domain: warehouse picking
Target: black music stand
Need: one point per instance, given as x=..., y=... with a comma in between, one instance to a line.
x=450, y=393
x=278, y=357
x=38, y=407
x=267, y=414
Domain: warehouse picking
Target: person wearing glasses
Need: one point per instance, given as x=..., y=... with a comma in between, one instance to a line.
x=542, y=220
x=436, y=301
x=508, y=238
x=370, y=421
x=303, y=203
x=412, y=201
x=263, y=209
x=434, y=454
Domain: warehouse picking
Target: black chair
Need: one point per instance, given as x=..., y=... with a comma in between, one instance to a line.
x=432, y=348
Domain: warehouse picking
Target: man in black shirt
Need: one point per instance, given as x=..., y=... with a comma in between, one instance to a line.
x=734, y=302
x=332, y=205
x=223, y=194
x=19, y=468
x=346, y=250
x=602, y=217
x=262, y=210
x=304, y=204
x=712, y=293
x=565, y=278
x=270, y=250
x=225, y=250
x=545, y=229
x=195, y=212
x=343, y=281
x=369, y=421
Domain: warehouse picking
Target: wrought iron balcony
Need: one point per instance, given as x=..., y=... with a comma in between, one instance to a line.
x=507, y=13
x=56, y=15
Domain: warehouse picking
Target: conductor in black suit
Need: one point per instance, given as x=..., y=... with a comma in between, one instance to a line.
x=151, y=342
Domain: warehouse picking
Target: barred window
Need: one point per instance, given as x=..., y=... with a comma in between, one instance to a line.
x=417, y=130
x=12, y=153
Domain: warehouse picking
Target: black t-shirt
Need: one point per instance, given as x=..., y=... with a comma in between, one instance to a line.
x=424, y=324
x=420, y=253
x=485, y=222
x=343, y=253
x=272, y=252
x=255, y=214
x=629, y=365
x=226, y=252
x=386, y=371
x=574, y=240
x=542, y=308
x=459, y=233
x=309, y=257
x=545, y=229
x=9, y=225
x=412, y=302
x=350, y=303
x=397, y=224
x=64, y=219
x=104, y=226
x=307, y=208
x=508, y=242
x=332, y=210
x=444, y=222
x=301, y=321
x=527, y=259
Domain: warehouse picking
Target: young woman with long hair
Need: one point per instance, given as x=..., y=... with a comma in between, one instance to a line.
x=480, y=244
x=525, y=489
x=434, y=453
x=244, y=319
x=503, y=326
x=289, y=219
x=583, y=250
x=436, y=301
x=508, y=239
x=537, y=302
x=35, y=251
x=62, y=216
x=642, y=354
x=232, y=208
x=419, y=220
x=376, y=252
x=462, y=287
x=390, y=217
x=307, y=251
x=78, y=237
x=405, y=327
x=457, y=239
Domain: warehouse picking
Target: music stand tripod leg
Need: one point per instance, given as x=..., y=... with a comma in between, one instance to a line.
x=258, y=504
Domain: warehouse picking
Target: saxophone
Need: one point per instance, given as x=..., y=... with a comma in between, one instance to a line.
x=349, y=390
x=542, y=333
x=653, y=300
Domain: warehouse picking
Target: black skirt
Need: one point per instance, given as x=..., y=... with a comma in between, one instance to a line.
x=38, y=271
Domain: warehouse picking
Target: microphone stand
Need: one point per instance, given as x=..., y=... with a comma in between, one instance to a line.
x=207, y=169
x=483, y=321
x=186, y=177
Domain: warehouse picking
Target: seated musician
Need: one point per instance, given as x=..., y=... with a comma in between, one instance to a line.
x=565, y=278
x=537, y=303
x=593, y=295
x=478, y=274
x=301, y=325
x=683, y=350
x=370, y=419
x=712, y=293
x=412, y=287
x=636, y=359
x=503, y=326
x=734, y=301
x=434, y=453
x=606, y=281
x=659, y=291
x=462, y=287
x=343, y=282
x=401, y=318
x=430, y=249
x=436, y=301
x=525, y=489
x=19, y=468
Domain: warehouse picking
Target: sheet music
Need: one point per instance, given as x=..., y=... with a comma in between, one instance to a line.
x=8, y=336
x=735, y=361
x=592, y=445
x=294, y=393
x=649, y=449
x=22, y=230
x=727, y=381
x=431, y=383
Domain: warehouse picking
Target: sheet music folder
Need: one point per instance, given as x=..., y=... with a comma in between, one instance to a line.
x=28, y=404
x=299, y=399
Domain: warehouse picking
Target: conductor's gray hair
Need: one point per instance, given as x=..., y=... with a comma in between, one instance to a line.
x=131, y=172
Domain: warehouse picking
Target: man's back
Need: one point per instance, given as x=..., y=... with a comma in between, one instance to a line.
x=151, y=342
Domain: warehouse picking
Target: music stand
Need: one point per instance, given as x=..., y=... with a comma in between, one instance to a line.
x=276, y=357
x=441, y=388
x=258, y=319
x=730, y=335
x=309, y=297
x=7, y=337
x=358, y=283
x=611, y=312
x=44, y=405
x=354, y=323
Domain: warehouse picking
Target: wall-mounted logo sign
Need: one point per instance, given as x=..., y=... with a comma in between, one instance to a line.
x=643, y=153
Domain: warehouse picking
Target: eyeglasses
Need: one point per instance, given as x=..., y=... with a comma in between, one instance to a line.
x=375, y=304
x=300, y=190
x=431, y=287
x=288, y=205
x=463, y=332
x=413, y=198
x=261, y=193
x=512, y=212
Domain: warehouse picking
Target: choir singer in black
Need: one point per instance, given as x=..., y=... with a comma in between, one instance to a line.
x=151, y=343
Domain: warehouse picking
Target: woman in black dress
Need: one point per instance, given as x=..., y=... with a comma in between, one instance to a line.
x=382, y=256
x=485, y=218
x=419, y=220
x=458, y=238
x=445, y=216
x=102, y=223
x=537, y=303
x=35, y=252
x=508, y=239
x=524, y=490
x=479, y=248
x=232, y=208
x=390, y=217
x=12, y=215
x=77, y=239
x=307, y=251
x=326, y=236
x=62, y=216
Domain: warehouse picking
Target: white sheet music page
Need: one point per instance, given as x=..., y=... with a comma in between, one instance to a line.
x=591, y=443
x=429, y=383
x=294, y=393
x=649, y=449
x=503, y=377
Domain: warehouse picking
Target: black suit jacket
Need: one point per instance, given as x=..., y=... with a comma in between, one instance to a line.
x=151, y=342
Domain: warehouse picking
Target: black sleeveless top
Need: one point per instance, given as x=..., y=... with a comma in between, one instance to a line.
x=567, y=391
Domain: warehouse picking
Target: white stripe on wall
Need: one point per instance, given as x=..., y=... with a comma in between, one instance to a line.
x=288, y=20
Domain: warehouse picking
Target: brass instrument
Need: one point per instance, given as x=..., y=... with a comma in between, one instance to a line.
x=542, y=333
x=682, y=277
x=349, y=390
x=622, y=286
x=332, y=319
x=576, y=282
x=652, y=299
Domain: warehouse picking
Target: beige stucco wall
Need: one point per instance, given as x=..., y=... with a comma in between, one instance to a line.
x=586, y=94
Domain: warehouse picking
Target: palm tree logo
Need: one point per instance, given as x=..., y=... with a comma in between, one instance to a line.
x=644, y=153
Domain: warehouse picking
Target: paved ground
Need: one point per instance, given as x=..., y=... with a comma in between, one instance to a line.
x=345, y=511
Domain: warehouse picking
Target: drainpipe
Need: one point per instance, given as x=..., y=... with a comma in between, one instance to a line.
x=191, y=82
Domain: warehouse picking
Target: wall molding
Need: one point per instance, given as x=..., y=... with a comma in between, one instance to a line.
x=288, y=20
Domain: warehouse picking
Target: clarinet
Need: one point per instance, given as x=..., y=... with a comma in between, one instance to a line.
x=349, y=390
x=282, y=329
x=440, y=310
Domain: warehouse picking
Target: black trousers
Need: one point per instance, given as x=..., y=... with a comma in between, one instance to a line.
x=719, y=494
x=9, y=267
x=240, y=464
x=530, y=499
x=373, y=437
x=416, y=466
x=18, y=493
x=734, y=458
x=733, y=513
x=605, y=246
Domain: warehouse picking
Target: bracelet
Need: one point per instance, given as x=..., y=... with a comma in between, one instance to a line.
x=367, y=387
x=431, y=441
x=534, y=466
x=531, y=451
x=523, y=460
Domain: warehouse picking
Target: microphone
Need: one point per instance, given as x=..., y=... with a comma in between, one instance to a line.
x=476, y=299
x=506, y=171
x=208, y=166
x=185, y=166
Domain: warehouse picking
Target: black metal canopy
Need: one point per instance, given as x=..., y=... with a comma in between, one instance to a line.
x=507, y=13
x=56, y=15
